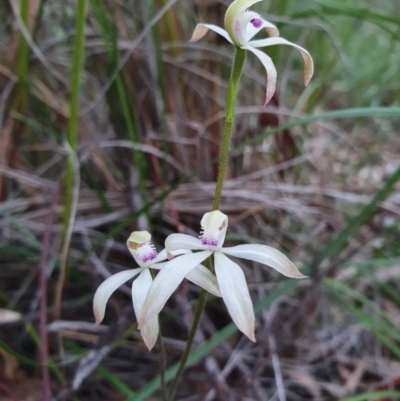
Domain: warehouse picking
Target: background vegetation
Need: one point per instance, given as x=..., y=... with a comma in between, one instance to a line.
x=111, y=123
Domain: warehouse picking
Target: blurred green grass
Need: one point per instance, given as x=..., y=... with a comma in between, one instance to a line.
x=167, y=96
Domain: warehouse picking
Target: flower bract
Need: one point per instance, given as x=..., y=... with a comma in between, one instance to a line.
x=231, y=279
x=147, y=258
x=241, y=26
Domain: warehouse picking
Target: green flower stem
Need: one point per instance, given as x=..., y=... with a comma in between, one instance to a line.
x=72, y=131
x=161, y=361
x=199, y=310
x=233, y=84
x=72, y=137
x=161, y=356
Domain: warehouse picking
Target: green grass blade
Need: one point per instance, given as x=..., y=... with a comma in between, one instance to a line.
x=377, y=395
x=389, y=112
x=356, y=223
x=73, y=120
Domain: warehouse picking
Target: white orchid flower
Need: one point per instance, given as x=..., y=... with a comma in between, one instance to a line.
x=231, y=279
x=146, y=257
x=241, y=26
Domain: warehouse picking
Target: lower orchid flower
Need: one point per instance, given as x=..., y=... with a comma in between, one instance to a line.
x=241, y=26
x=147, y=258
x=231, y=279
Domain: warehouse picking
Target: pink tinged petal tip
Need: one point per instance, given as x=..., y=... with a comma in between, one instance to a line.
x=270, y=70
x=202, y=29
x=106, y=289
x=198, y=33
x=308, y=61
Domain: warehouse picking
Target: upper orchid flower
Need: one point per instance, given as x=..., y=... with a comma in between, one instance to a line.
x=241, y=26
x=146, y=257
x=231, y=280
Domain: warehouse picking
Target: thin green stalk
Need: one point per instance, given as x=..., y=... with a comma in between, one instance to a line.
x=161, y=361
x=72, y=132
x=161, y=356
x=72, y=135
x=233, y=84
x=199, y=310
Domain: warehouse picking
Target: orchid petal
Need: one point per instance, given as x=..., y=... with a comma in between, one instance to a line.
x=266, y=255
x=106, y=288
x=201, y=29
x=158, y=266
x=175, y=242
x=140, y=288
x=202, y=277
x=233, y=18
x=167, y=281
x=235, y=293
x=308, y=61
x=271, y=71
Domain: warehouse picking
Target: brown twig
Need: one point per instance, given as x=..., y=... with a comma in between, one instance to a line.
x=43, y=297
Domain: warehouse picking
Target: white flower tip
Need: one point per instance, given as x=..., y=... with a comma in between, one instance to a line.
x=268, y=98
x=137, y=238
x=149, y=346
x=252, y=337
x=291, y=271
x=271, y=87
x=149, y=342
x=198, y=33
x=141, y=322
x=98, y=315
